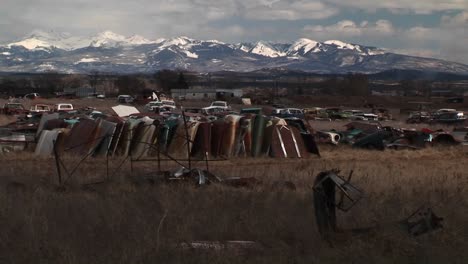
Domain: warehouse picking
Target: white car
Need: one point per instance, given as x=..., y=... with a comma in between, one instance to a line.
x=220, y=104
x=125, y=99
x=39, y=108
x=151, y=106
x=368, y=116
x=168, y=103
x=210, y=110
x=63, y=107
x=356, y=115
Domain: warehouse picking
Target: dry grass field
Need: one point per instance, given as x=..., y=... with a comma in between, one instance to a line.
x=117, y=215
x=130, y=220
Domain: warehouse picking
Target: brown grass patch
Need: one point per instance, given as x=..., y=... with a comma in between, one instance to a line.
x=118, y=221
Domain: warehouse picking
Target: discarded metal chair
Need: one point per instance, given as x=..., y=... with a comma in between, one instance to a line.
x=423, y=221
x=326, y=200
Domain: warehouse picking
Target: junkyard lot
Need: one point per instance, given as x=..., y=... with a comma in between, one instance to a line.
x=118, y=221
x=129, y=219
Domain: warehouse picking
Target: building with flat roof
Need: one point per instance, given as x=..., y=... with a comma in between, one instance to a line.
x=197, y=94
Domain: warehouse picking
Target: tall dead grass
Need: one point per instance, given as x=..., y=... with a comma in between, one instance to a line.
x=119, y=221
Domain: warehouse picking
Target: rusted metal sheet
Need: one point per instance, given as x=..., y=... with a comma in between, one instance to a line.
x=229, y=139
x=116, y=138
x=142, y=139
x=45, y=117
x=202, y=144
x=310, y=144
x=125, y=110
x=45, y=145
x=81, y=137
x=55, y=123
x=154, y=149
x=287, y=142
x=218, y=132
x=247, y=140
x=123, y=148
x=267, y=138
x=258, y=136
x=178, y=146
x=105, y=138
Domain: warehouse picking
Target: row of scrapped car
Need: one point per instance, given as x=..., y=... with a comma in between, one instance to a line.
x=248, y=135
x=447, y=116
x=14, y=108
x=334, y=113
x=372, y=135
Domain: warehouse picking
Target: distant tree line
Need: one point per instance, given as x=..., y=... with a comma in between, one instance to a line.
x=164, y=81
x=352, y=84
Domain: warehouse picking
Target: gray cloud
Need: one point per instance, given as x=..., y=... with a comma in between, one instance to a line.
x=447, y=40
x=241, y=20
x=399, y=6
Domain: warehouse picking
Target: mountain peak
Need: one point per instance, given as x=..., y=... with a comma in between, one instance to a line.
x=110, y=35
x=31, y=44
x=107, y=39
x=138, y=40
x=266, y=49
x=131, y=55
x=342, y=45
x=303, y=46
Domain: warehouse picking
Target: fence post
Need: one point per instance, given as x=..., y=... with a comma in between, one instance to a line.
x=187, y=139
x=57, y=163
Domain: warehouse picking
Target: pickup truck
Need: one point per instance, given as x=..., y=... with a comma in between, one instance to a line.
x=63, y=107
x=39, y=108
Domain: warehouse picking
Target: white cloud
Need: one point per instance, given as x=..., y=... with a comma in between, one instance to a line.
x=289, y=10
x=240, y=20
x=447, y=40
x=348, y=28
x=401, y=6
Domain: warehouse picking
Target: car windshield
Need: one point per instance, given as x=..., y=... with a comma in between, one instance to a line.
x=218, y=104
x=168, y=102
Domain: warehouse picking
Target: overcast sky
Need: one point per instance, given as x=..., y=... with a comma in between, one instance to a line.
x=434, y=28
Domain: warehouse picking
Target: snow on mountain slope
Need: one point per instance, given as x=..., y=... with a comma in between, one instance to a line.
x=107, y=39
x=264, y=49
x=138, y=40
x=181, y=45
x=113, y=52
x=42, y=39
x=342, y=45
x=303, y=46
x=87, y=60
x=31, y=43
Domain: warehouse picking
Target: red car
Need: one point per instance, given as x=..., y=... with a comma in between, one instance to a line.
x=13, y=109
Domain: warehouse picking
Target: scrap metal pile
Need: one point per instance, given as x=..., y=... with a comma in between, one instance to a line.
x=372, y=135
x=177, y=136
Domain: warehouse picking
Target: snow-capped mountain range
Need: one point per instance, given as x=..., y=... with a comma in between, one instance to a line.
x=110, y=52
